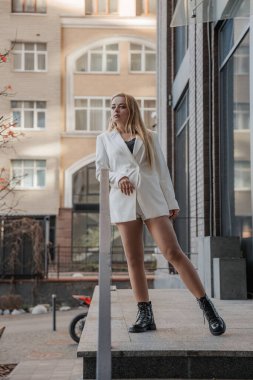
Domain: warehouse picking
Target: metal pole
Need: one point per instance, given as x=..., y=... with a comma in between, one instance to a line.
x=54, y=311
x=47, y=228
x=104, y=365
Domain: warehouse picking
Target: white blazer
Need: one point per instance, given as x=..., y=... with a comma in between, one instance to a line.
x=153, y=186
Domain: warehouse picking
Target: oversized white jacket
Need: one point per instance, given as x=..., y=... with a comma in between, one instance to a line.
x=153, y=186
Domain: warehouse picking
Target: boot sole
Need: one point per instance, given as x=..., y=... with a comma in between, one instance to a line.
x=149, y=328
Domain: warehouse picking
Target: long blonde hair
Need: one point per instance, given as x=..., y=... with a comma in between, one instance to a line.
x=135, y=125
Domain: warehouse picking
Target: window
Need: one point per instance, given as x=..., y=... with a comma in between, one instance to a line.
x=142, y=58
x=148, y=111
x=145, y=7
x=32, y=173
x=235, y=143
x=29, y=6
x=28, y=114
x=182, y=223
x=100, y=59
x=30, y=56
x=92, y=114
x=101, y=7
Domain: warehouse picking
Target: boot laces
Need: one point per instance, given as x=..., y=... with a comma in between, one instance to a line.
x=144, y=313
x=209, y=311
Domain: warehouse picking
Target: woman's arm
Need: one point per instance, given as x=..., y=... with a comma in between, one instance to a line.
x=164, y=175
x=102, y=162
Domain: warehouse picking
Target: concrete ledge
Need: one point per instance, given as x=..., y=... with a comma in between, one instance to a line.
x=181, y=347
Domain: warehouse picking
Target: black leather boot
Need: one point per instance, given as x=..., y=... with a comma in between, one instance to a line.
x=216, y=324
x=145, y=319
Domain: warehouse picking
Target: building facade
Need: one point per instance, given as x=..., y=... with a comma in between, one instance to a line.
x=67, y=60
x=208, y=93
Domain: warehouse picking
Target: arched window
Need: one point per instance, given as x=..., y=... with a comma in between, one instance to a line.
x=103, y=58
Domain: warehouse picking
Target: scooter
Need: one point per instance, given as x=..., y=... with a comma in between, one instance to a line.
x=77, y=324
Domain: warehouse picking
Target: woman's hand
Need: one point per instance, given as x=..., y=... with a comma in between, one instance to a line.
x=126, y=186
x=174, y=213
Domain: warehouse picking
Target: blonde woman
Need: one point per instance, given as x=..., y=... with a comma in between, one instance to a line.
x=142, y=192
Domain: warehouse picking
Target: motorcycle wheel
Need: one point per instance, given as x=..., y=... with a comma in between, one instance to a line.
x=76, y=326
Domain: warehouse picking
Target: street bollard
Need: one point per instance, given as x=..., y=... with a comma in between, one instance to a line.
x=54, y=311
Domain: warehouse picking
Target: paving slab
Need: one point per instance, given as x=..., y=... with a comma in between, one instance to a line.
x=181, y=347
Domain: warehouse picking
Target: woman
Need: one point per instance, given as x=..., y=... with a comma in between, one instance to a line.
x=142, y=192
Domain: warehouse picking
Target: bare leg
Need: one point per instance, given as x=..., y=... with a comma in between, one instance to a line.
x=163, y=233
x=132, y=239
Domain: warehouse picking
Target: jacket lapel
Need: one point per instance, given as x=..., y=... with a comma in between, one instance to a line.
x=119, y=142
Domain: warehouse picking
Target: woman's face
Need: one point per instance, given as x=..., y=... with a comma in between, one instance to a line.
x=119, y=110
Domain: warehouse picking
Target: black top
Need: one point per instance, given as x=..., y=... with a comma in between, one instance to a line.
x=130, y=144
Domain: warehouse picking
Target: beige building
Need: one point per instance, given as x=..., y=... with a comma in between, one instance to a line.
x=68, y=59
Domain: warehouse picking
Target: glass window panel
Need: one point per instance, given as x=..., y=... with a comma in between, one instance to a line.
x=41, y=104
x=16, y=104
x=17, y=118
x=96, y=103
x=96, y=62
x=107, y=116
x=28, y=104
x=149, y=120
x=113, y=6
x=101, y=6
x=97, y=49
x=29, y=46
x=111, y=62
x=40, y=163
x=96, y=117
x=28, y=119
x=41, y=119
x=16, y=163
x=112, y=47
x=135, y=62
x=88, y=7
x=181, y=42
x=41, y=178
x=28, y=179
x=150, y=62
x=81, y=120
x=41, y=61
x=41, y=46
x=17, y=61
x=108, y=103
x=29, y=6
x=16, y=173
x=242, y=175
x=135, y=47
x=241, y=116
x=81, y=102
x=28, y=163
x=149, y=103
x=17, y=6
x=29, y=61
x=152, y=6
x=41, y=6
x=82, y=63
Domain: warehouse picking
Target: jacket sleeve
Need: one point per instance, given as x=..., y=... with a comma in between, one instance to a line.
x=164, y=175
x=102, y=162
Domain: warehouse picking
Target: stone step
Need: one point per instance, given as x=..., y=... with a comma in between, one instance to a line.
x=181, y=347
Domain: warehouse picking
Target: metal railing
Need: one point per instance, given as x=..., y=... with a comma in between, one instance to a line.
x=104, y=361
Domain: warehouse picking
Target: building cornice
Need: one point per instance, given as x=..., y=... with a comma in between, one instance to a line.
x=108, y=22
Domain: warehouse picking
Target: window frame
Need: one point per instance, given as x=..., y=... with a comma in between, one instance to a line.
x=145, y=8
x=35, y=114
x=104, y=109
x=23, y=7
x=95, y=9
x=143, y=53
x=104, y=54
x=36, y=53
x=20, y=185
